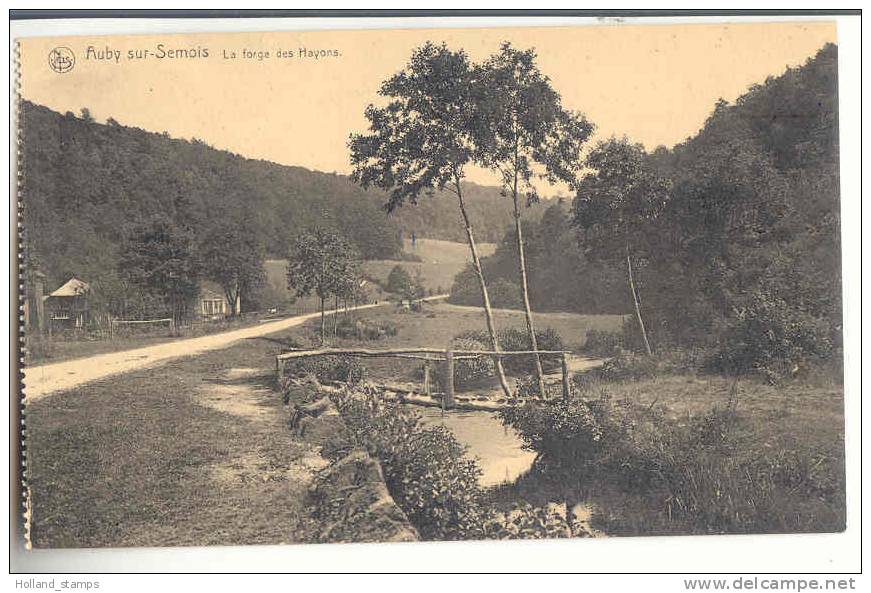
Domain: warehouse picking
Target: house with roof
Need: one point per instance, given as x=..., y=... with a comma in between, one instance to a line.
x=68, y=307
x=212, y=303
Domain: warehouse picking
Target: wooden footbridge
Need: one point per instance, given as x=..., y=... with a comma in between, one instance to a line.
x=434, y=360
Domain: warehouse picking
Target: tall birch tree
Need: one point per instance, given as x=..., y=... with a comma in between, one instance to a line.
x=421, y=141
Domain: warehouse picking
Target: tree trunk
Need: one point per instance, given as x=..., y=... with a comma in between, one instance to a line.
x=335, y=315
x=485, y=297
x=323, y=324
x=524, y=291
x=637, y=305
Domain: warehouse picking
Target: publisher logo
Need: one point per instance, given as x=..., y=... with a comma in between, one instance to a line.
x=61, y=59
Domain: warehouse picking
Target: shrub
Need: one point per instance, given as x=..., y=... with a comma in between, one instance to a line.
x=430, y=477
x=705, y=474
x=327, y=368
x=365, y=329
x=603, y=342
x=628, y=366
x=768, y=336
x=466, y=290
x=705, y=477
x=425, y=469
x=514, y=339
x=527, y=386
x=504, y=294
x=525, y=521
x=471, y=372
x=571, y=434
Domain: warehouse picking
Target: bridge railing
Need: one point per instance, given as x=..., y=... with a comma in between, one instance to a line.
x=444, y=358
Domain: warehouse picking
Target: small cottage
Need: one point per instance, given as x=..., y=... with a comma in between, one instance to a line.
x=68, y=307
x=212, y=303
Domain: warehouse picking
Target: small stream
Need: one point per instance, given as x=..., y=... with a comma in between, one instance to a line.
x=498, y=448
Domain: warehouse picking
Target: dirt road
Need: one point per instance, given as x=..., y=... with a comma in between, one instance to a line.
x=42, y=380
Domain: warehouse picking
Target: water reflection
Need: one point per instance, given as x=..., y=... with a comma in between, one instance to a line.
x=498, y=449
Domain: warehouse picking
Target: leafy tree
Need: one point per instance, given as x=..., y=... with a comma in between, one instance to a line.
x=561, y=276
x=233, y=256
x=160, y=257
x=523, y=133
x=617, y=205
x=322, y=262
x=399, y=280
x=421, y=141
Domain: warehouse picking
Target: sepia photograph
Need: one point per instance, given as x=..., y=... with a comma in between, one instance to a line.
x=433, y=284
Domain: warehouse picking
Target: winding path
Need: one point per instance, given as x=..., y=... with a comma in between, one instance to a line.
x=43, y=380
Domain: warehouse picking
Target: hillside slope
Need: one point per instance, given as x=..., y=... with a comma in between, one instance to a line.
x=87, y=184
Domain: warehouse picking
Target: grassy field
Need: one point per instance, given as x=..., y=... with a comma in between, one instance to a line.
x=440, y=262
x=793, y=433
x=194, y=452
x=440, y=322
x=197, y=451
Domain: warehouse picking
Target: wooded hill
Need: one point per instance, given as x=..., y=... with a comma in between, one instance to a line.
x=744, y=256
x=86, y=185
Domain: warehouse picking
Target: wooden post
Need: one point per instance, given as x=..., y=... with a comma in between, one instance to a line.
x=567, y=388
x=448, y=400
x=426, y=387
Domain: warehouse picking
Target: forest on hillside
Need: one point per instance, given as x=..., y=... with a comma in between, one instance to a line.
x=89, y=186
x=734, y=233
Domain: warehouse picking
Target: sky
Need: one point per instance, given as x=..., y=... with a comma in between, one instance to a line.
x=655, y=84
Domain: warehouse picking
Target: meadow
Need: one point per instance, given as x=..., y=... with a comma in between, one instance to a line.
x=440, y=262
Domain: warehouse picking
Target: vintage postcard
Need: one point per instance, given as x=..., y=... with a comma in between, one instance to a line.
x=431, y=284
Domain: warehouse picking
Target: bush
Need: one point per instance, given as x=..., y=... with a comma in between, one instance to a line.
x=628, y=366
x=365, y=329
x=705, y=474
x=471, y=372
x=514, y=339
x=603, y=342
x=430, y=477
x=346, y=369
x=525, y=521
x=572, y=434
x=705, y=477
x=768, y=336
x=425, y=469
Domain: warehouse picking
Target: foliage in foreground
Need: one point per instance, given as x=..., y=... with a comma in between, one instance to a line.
x=710, y=474
x=471, y=371
x=426, y=469
x=432, y=479
x=365, y=329
x=346, y=369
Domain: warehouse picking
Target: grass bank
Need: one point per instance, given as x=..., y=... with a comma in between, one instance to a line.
x=193, y=452
x=687, y=454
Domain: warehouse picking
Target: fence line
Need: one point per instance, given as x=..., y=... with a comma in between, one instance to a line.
x=140, y=320
x=447, y=357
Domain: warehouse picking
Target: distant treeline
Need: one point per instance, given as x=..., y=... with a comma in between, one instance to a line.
x=88, y=186
x=745, y=253
x=561, y=277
